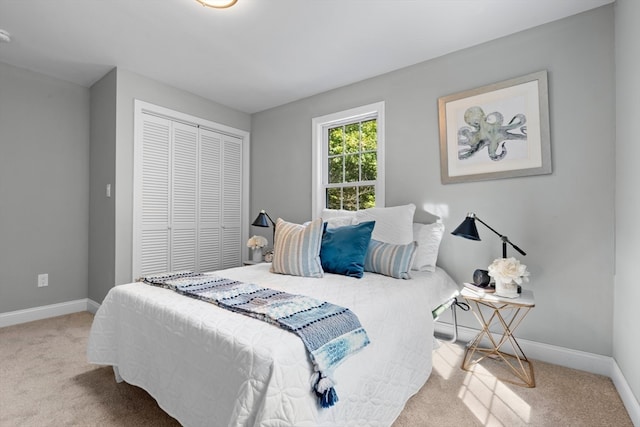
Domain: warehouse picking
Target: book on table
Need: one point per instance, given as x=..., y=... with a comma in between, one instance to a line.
x=479, y=290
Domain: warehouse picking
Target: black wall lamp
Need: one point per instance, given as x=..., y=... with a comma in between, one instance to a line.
x=262, y=220
x=469, y=231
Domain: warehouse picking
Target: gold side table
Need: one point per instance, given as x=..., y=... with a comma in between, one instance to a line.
x=506, y=314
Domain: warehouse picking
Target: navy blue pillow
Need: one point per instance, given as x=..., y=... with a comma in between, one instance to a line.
x=344, y=249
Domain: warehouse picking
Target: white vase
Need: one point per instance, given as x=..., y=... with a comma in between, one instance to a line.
x=508, y=289
x=256, y=255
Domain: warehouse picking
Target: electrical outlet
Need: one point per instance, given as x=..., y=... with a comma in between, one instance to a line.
x=43, y=280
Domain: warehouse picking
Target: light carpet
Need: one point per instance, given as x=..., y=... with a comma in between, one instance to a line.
x=45, y=380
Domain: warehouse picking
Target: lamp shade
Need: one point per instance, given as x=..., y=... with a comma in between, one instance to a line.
x=467, y=229
x=262, y=220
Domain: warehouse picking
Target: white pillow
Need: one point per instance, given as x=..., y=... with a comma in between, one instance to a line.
x=337, y=213
x=428, y=237
x=339, y=221
x=338, y=217
x=393, y=225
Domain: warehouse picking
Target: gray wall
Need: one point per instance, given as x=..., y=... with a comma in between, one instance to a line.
x=102, y=218
x=44, y=189
x=563, y=220
x=117, y=92
x=627, y=290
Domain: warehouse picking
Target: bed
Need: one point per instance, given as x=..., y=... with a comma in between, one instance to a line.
x=206, y=366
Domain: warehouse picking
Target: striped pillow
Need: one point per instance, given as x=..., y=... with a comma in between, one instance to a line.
x=297, y=248
x=390, y=260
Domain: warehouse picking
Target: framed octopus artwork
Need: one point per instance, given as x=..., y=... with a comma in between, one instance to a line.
x=496, y=131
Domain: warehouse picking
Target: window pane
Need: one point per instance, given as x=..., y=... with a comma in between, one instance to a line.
x=335, y=141
x=349, y=198
x=369, y=166
x=335, y=170
x=352, y=138
x=370, y=135
x=367, y=197
x=333, y=198
x=351, y=159
x=351, y=168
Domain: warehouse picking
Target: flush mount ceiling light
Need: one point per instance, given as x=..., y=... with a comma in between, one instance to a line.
x=217, y=4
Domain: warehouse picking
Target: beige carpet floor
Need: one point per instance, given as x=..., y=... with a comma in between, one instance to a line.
x=46, y=381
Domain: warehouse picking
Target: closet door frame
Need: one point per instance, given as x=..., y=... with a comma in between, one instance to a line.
x=140, y=109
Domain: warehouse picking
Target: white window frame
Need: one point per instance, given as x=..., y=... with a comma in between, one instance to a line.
x=319, y=127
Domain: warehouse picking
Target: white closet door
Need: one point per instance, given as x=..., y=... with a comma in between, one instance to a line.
x=232, y=201
x=184, y=197
x=154, y=204
x=210, y=192
x=188, y=201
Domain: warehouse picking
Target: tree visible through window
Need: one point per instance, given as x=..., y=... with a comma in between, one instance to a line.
x=348, y=159
x=352, y=165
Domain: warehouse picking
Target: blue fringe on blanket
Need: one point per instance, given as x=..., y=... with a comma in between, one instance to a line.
x=329, y=332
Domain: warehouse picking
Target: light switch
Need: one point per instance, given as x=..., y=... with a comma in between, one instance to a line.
x=108, y=190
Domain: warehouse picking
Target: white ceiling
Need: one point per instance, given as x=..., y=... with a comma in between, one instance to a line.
x=259, y=53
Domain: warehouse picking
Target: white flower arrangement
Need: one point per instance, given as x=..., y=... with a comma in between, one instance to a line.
x=509, y=269
x=257, y=242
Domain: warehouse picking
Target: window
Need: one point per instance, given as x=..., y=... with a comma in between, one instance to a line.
x=348, y=159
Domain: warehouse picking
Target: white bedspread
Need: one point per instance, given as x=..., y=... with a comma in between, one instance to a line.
x=207, y=366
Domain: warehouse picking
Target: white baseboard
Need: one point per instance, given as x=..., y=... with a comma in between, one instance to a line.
x=575, y=359
x=627, y=396
x=92, y=306
x=44, y=312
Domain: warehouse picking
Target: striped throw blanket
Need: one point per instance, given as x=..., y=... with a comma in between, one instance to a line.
x=329, y=332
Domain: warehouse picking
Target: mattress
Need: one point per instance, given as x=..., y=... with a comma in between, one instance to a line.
x=207, y=366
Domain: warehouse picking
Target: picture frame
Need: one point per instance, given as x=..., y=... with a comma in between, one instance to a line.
x=496, y=131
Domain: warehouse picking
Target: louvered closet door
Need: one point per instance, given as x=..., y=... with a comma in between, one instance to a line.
x=188, y=200
x=184, y=197
x=231, y=201
x=210, y=245
x=153, y=203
